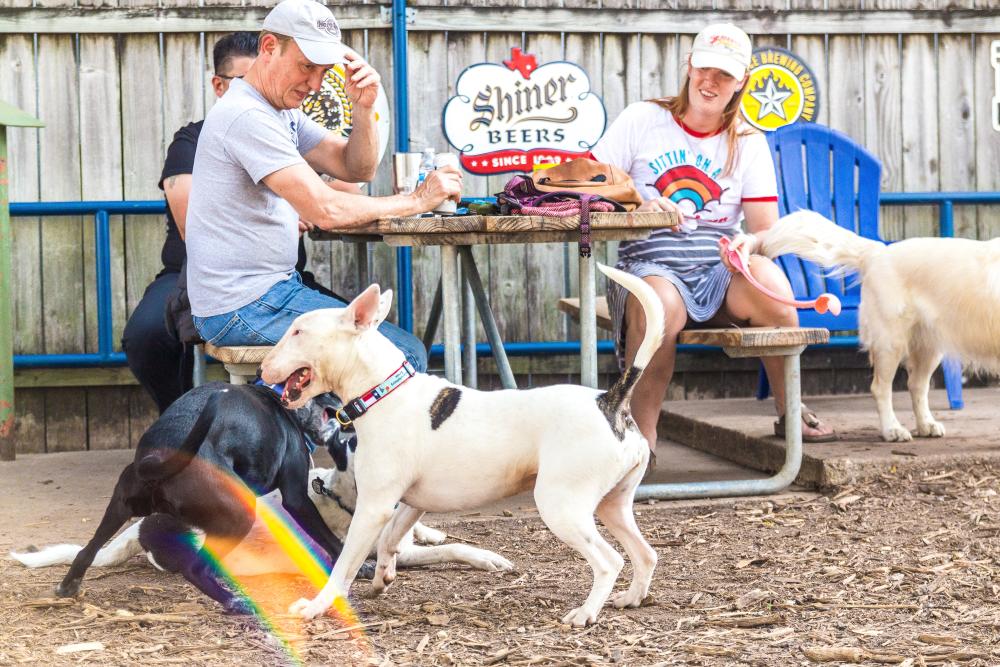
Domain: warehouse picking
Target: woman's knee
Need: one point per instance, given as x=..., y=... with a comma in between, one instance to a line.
x=674, y=310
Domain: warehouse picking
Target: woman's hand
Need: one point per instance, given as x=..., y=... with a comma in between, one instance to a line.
x=745, y=245
x=664, y=205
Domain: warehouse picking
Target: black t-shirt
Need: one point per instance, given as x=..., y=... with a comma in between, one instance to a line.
x=180, y=160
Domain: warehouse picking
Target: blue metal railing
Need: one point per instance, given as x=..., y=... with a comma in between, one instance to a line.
x=102, y=210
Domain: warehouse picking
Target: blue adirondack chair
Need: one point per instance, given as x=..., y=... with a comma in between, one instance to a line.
x=825, y=171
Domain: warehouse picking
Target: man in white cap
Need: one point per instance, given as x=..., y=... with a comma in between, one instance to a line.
x=255, y=184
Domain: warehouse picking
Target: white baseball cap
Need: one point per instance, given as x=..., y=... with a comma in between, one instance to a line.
x=313, y=28
x=722, y=46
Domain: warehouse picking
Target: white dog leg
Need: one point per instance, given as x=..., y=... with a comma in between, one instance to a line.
x=415, y=555
x=616, y=513
x=885, y=362
x=388, y=545
x=920, y=366
x=369, y=520
x=427, y=535
x=571, y=518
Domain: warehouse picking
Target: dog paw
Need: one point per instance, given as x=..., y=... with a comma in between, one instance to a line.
x=68, y=589
x=580, y=617
x=896, y=434
x=237, y=606
x=307, y=609
x=931, y=429
x=426, y=535
x=627, y=598
x=492, y=563
x=382, y=580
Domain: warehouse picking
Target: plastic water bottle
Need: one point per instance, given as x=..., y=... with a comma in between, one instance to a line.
x=426, y=164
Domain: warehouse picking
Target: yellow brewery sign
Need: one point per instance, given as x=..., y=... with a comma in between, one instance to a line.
x=781, y=90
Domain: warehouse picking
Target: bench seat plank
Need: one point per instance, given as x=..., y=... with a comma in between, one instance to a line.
x=755, y=337
x=571, y=306
x=238, y=355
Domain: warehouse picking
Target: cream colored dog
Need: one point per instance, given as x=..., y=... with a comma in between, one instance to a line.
x=921, y=299
x=439, y=447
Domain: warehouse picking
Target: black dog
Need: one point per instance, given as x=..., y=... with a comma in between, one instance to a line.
x=176, y=479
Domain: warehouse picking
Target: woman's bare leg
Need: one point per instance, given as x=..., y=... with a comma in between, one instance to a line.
x=745, y=303
x=649, y=392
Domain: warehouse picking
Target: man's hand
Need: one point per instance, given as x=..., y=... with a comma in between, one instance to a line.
x=362, y=81
x=440, y=184
x=305, y=226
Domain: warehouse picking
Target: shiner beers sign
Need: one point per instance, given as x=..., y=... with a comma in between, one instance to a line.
x=515, y=116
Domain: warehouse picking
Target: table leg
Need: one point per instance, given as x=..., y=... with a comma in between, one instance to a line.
x=486, y=316
x=588, y=324
x=450, y=287
x=433, y=319
x=364, y=277
x=468, y=330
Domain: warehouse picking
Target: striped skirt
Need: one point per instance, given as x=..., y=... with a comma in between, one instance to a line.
x=688, y=260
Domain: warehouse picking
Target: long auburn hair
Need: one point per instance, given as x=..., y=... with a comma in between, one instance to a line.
x=732, y=124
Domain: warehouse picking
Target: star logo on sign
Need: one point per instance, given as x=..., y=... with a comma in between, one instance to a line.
x=771, y=98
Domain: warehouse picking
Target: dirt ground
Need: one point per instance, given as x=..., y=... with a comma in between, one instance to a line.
x=900, y=570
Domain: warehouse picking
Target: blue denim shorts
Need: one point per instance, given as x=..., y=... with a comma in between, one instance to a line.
x=265, y=320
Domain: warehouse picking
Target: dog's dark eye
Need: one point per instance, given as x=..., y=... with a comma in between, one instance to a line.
x=297, y=332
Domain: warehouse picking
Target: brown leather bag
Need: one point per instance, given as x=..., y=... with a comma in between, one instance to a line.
x=590, y=177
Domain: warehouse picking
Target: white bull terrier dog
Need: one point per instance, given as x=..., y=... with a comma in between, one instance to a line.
x=438, y=447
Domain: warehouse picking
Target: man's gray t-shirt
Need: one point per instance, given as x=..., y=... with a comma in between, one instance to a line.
x=241, y=237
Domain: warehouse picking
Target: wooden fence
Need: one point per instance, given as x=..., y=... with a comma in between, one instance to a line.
x=114, y=81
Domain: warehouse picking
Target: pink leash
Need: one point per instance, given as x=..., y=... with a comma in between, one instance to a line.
x=823, y=303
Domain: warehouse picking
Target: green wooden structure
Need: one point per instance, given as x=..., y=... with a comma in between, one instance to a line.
x=9, y=117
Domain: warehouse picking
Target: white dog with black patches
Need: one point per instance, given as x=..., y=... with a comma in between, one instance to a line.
x=334, y=493
x=439, y=447
x=921, y=298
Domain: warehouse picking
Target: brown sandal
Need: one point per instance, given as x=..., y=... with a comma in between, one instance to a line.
x=812, y=421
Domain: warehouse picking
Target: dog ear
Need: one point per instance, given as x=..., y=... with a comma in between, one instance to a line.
x=384, y=305
x=364, y=310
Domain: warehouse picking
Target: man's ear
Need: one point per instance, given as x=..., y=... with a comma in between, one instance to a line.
x=364, y=310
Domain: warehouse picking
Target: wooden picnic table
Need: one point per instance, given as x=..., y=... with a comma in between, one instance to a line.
x=457, y=234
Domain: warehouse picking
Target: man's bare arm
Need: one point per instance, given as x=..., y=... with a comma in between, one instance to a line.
x=177, y=189
x=328, y=208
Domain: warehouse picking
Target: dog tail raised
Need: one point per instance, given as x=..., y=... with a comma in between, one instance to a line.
x=164, y=463
x=123, y=547
x=811, y=236
x=614, y=403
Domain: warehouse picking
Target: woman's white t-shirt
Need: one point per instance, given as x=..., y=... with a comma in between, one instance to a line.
x=666, y=159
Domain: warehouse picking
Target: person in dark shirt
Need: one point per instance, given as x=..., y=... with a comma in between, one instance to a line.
x=158, y=355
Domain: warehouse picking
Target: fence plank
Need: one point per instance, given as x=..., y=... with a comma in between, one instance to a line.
x=107, y=415
x=543, y=273
x=143, y=135
x=383, y=258
x=883, y=120
x=919, y=129
x=987, y=140
x=29, y=421
x=956, y=131
x=427, y=55
x=101, y=171
x=62, y=237
x=812, y=50
x=506, y=262
x=17, y=86
x=847, y=86
x=65, y=419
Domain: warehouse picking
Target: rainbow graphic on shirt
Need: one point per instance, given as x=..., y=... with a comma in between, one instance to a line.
x=688, y=183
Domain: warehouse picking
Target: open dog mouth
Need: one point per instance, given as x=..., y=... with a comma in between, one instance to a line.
x=295, y=385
